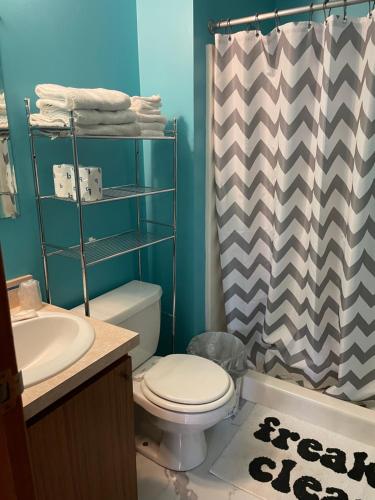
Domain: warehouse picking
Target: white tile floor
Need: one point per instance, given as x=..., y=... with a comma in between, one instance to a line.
x=157, y=483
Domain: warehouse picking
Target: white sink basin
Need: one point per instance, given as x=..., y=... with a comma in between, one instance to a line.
x=50, y=343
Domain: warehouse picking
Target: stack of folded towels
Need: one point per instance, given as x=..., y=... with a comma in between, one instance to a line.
x=3, y=112
x=95, y=111
x=149, y=117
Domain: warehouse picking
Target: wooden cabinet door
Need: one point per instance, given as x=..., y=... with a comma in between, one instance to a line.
x=83, y=449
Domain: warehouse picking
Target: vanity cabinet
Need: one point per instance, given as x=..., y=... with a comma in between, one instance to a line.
x=82, y=448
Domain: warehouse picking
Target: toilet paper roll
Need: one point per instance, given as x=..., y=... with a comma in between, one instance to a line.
x=90, y=181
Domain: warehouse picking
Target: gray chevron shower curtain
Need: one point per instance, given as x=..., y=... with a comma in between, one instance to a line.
x=294, y=153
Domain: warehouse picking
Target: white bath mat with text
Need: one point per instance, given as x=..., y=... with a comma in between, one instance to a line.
x=275, y=456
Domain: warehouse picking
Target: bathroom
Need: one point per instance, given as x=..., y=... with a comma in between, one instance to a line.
x=310, y=416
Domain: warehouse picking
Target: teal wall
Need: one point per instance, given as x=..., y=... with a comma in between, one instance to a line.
x=166, y=66
x=141, y=47
x=172, y=61
x=87, y=43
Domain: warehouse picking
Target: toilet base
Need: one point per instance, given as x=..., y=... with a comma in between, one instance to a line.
x=175, y=451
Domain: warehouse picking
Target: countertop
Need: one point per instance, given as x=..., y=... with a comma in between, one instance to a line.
x=111, y=343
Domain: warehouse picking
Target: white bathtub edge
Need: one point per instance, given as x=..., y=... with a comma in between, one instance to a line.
x=345, y=418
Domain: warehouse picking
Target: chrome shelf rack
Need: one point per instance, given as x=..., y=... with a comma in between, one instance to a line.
x=94, y=251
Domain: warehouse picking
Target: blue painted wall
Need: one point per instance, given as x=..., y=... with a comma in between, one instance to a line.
x=86, y=43
x=165, y=47
x=172, y=62
x=139, y=46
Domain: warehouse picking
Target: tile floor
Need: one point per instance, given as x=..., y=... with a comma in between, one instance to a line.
x=157, y=483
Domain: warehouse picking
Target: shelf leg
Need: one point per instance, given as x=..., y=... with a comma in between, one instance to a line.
x=137, y=180
x=80, y=218
x=38, y=204
x=174, y=257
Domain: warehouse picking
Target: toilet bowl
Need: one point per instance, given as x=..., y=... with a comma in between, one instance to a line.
x=178, y=396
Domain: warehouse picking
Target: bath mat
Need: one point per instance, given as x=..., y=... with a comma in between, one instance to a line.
x=274, y=456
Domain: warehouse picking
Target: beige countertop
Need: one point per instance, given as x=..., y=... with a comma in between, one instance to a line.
x=111, y=343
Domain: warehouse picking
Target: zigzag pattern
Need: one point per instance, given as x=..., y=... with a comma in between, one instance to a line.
x=294, y=155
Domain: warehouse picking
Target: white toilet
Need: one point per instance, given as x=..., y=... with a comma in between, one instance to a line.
x=178, y=396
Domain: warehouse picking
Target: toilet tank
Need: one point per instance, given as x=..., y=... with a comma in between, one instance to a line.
x=134, y=306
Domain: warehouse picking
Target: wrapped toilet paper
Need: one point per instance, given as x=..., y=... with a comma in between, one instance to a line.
x=90, y=181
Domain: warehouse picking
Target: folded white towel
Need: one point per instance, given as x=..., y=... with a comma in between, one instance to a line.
x=3, y=106
x=3, y=122
x=144, y=118
x=152, y=133
x=125, y=129
x=42, y=120
x=152, y=126
x=70, y=98
x=146, y=111
x=152, y=99
x=86, y=116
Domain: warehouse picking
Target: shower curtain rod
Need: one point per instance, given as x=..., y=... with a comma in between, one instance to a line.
x=227, y=23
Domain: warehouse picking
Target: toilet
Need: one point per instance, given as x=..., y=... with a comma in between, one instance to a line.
x=178, y=396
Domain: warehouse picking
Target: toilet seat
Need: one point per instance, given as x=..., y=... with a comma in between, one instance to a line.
x=187, y=408
x=187, y=383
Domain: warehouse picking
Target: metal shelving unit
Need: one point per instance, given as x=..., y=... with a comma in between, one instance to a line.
x=94, y=251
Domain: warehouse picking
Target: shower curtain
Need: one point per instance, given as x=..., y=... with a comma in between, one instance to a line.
x=294, y=153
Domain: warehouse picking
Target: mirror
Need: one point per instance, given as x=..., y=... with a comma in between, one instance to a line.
x=8, y=188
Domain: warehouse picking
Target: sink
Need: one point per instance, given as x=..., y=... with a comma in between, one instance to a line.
x=48, y=344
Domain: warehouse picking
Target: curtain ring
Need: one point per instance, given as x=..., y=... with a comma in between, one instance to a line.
x=344, y=8
x=257, y=29
x=310, y=15
x=324, y=10
x=277, y=21
x=228, y=30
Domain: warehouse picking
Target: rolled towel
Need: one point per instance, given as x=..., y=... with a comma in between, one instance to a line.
x=87, y=116
x=144, y=118
x=125, y=129
x=152, y=126
x=70, y=98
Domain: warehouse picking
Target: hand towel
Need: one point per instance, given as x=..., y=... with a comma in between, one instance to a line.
x=70, y=98
x=153, y=99
x=4, y=122
x=86, y=116
x=145, y=110
x=125, y=129
x=144, y=118
x=152, y=126
x=152, y=133
x=138, y=104
x=42, y=120
x=3, y=106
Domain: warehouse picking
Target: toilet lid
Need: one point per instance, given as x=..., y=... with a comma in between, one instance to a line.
x=187, y=379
